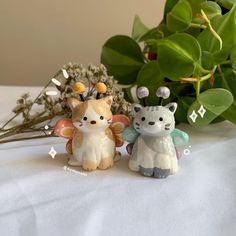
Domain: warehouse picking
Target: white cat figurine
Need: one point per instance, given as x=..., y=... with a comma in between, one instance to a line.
x=154, y=137
x=154, y=152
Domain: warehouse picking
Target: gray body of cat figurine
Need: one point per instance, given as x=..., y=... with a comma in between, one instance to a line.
x=153, y=152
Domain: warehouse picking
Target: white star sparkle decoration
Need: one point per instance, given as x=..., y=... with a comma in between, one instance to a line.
x=46, y=127
x=202, y=111
x=193, y=116
x=52, y=152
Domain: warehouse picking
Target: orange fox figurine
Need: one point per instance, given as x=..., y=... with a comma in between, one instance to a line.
x=93, y=132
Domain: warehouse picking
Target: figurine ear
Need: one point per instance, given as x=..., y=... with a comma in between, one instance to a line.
x=172, y=106
x=73, y=102
x=137, y=108
x=108, y=100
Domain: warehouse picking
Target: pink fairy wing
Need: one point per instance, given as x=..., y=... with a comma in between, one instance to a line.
x=64, y=128
x=119, y=123
x=69, y=146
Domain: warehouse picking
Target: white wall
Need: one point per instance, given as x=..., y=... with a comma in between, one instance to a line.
x=38, y=37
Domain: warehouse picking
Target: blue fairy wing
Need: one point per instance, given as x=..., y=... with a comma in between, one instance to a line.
x=130, y=135
x=179, y=137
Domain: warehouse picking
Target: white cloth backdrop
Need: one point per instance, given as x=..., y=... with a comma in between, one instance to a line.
x=39, y=197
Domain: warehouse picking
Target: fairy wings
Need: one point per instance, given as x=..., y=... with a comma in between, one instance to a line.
x=65, y=128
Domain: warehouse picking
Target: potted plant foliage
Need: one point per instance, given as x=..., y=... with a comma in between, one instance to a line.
x=192, y=51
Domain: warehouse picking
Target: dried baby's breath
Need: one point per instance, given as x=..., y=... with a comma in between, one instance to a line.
x=41, y=111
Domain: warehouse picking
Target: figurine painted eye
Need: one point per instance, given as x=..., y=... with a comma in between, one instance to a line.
x=143, y=119
x=101, y=117
x=85, y=118
x=160, y=119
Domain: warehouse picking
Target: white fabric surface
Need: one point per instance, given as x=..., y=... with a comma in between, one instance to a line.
x=39, y=197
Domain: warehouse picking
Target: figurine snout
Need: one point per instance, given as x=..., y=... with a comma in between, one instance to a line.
x=151, y=123
x=92, y=122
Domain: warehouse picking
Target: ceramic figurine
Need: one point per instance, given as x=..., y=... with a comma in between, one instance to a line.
x=93, y=132
x=153, y=137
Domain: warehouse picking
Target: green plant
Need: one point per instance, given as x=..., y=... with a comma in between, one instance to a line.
x=192, y=51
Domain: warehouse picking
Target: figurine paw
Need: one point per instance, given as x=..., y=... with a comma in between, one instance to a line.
x=161, y=173
x=133, y=165
x=146, y=171
x=106, y=163
x=174, y=170
x=89, y=165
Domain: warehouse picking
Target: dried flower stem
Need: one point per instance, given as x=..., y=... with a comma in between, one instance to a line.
x=27, y=138
x=17, y=129
x=2, y=128
x=57, y=106
x=41, y=92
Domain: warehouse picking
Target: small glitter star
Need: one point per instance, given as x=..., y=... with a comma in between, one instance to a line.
x=46, y=127
x=201, y=111
x=193, y=116
x=52, y=152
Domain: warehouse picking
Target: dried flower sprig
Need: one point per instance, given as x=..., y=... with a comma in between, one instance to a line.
x=38, y=114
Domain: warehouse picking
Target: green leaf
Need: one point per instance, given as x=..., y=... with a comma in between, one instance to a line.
x=207, y=60
x=228, y=4
x=182, y=109
x=139, y=29
x=127, y=94
x=222, y=55
x=227, y=79
x=215, y=101
x=196, y=9
x=123, y=58
x=154, y=33
x=151, y=77
x=230, y=114
x=211, y=9
x=168, y=7
x=225, y=26
x=180, y=17
x=178, y=55
x=233, y=58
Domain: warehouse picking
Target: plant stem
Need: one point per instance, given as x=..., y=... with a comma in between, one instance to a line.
x=227, y=62
x=215, y=34
x=198, y=26
x=49, y=82
x=198, y=86
x=28, y=124
x=27, y=138
x=9, y=121
x=200, y=69
x=208, y=76
x=34, y=130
